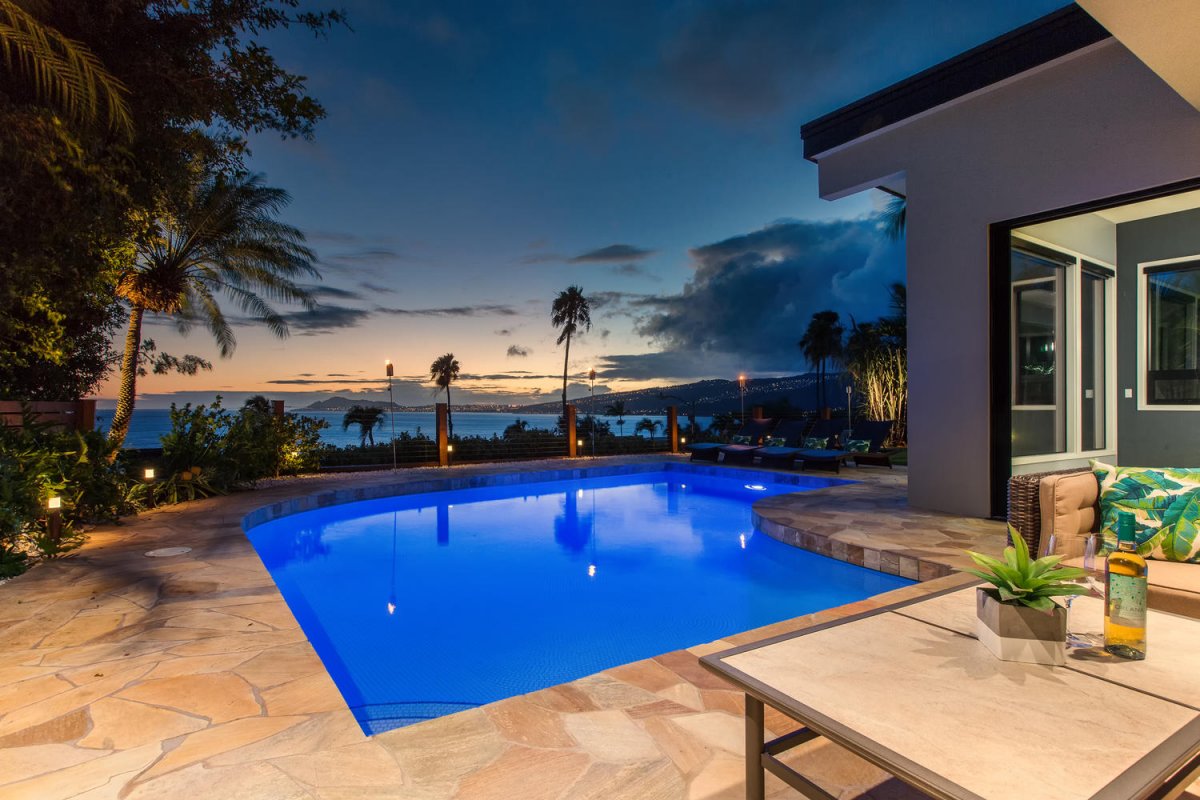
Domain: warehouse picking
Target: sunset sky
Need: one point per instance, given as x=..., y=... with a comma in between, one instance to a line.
x=480, y=157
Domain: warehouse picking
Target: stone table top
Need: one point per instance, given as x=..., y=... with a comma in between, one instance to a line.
x=910, y=689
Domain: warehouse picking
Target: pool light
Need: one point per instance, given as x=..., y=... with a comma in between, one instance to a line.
x=742, y=540
x=756, y=487
x=591, y=570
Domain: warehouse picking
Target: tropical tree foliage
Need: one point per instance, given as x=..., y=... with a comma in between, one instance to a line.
x=367, y=418
x=77, y=189
x=443, y=372
x=617, y=409
x=570, y=312
x=877, y=358
x=224, y=241
x=822, y=346
x=895, y=217
x=648, y=425
x=62, y=72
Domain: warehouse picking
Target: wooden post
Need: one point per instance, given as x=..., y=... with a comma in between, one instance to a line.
x=673, y=428
x=572, y=443
x=277, y=408
x=85, y=415
x=443, y=442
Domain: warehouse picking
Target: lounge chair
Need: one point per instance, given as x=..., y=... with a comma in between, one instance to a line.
x=783, y=456
x=743, y=452
x=877, y=434
x=711, y=451
x=830, y=456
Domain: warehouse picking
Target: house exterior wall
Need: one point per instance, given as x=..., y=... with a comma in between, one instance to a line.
x=1093, y=125
x=1151, y=437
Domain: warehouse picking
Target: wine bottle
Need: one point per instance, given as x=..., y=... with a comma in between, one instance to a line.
x=1125, y=595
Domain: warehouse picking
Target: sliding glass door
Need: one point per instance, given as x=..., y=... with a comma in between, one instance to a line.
x=1060, y=344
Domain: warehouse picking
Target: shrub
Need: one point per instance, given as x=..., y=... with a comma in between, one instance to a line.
x=211, y=450
x=38, y=462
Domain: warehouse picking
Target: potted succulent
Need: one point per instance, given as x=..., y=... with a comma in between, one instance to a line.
x=1017, y=616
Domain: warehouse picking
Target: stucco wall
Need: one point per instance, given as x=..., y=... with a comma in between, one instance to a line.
x=1151, y=438
x=1091, y=126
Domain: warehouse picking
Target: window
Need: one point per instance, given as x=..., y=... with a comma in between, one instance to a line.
x=1173, y=334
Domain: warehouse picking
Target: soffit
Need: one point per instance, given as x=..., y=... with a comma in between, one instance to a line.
x=1161, y=33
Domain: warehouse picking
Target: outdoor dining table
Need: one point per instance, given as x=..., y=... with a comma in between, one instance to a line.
x=910, y=689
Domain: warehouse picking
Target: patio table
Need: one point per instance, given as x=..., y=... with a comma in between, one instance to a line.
x=908, y=688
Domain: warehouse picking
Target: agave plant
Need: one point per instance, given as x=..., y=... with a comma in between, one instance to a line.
x=1021, y=579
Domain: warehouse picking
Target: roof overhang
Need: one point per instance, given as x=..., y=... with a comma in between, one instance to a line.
x=1050, y=38
x=1162, y=34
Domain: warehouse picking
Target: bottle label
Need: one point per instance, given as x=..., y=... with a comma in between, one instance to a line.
x=1127, y=601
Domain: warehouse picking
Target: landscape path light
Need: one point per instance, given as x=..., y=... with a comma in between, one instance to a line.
x=54, y=518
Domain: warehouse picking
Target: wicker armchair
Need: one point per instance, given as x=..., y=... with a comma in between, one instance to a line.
x=1025, y=505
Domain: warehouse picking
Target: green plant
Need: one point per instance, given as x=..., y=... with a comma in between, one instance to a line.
x=1021, y=579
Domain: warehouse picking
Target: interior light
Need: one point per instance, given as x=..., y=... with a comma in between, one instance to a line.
x=449, y=448
x=579, y=442
x=579, y=493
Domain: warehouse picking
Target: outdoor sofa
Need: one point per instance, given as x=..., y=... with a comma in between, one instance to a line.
x=1067, y=504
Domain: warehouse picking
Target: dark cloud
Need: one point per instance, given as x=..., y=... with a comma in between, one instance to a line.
x=376, y=288
x=325, y=319
x=453, y=311
x=323, y=381
x=611, y=300
x=613, y=252
x=518, y=351
x=503, y=332
x=320, y=291
x=752, y=296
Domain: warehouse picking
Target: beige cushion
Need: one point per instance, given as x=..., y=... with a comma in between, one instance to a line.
x=1069, y=510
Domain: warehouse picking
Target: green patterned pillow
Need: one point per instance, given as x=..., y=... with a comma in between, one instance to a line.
x=816, y=442
x=737, y=439
x=774, y=441
x=858, y=445
x=1165, y=505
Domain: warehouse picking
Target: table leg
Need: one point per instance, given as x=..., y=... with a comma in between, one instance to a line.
x=755, y=732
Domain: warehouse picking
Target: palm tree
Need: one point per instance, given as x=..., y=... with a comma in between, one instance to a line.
x=61, y=71
x=649, y=425
x=570, y=311
x=443, y=372
x=367, y=418
x=821, y=344
x=619, y=411
x=895, y=216
x=224, y=240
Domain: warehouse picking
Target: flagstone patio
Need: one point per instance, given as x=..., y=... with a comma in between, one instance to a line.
x=124, y=676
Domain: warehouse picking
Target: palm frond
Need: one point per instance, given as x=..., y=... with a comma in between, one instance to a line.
x=64, y=72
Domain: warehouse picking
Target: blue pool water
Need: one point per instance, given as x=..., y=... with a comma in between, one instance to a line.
x=424, y=605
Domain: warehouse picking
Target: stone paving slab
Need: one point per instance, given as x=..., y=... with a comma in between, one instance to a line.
x=129, y=677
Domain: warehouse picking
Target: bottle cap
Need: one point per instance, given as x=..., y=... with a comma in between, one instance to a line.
x=1125, y=526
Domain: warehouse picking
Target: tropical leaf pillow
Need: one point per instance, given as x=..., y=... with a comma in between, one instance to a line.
x=774, y=441
x=858, y=445
x=816, y=442
x=737, y=439
x=1165, y=505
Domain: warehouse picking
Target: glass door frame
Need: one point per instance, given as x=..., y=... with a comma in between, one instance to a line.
x=1074, y=359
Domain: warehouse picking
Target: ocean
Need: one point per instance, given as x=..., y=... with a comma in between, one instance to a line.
x=149, y=424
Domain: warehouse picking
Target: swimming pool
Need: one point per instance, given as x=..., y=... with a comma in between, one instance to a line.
x=428, y=604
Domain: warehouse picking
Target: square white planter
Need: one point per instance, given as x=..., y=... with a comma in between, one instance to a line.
x=1013, y=632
